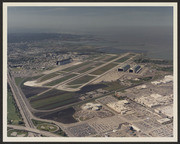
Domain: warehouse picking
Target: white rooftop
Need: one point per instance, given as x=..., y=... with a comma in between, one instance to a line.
x=167, y=78
x=167, y=110
x=163, y=120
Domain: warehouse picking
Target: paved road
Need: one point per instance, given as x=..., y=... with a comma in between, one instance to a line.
x=25, y=111
x=62, y=84
x=121, y=64
x=25, y=108
x=26, y=114
x=46, y=112
x=88, y=72
x=36, y=131
x=40, y=84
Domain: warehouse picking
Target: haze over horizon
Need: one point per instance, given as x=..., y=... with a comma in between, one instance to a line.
x=86, y=19
x=150, y=26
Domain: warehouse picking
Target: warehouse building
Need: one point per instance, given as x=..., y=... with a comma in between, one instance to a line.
x=135, y=128
x=164, y=121
x=119, y=106
x=92, y=106
x=64, y=61
x=135, y=69
x=124, y=68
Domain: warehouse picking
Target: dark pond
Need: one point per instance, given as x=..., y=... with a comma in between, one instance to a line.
x=63, y=116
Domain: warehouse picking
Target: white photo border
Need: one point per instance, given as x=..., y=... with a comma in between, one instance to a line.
x=92, y=139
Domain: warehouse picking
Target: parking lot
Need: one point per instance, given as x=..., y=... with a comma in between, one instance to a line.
x=82, y=130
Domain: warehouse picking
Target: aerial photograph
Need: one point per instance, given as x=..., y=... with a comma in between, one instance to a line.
x=90, y=71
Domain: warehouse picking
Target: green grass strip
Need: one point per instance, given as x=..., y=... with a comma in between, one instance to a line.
x=51, y=100
x=85, y=70
x=104, y=69
x=76, y=66
x=49, y=76
x=13, y=114
x=18, y=80
x=123, y=59
x=56, y=104
x=81, y=80
x=111, y=58
x=19, y=132
x=74, y=86
x=60, y=80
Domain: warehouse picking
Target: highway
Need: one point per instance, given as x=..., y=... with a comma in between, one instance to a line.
x=36, y=131
x=26, y=114
x=66, y=106
x=25, y=108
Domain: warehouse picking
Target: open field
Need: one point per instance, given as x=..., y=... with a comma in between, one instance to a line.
x=74, y=86
x=45, y=126
x=31, y=91
x=100, y=58
x=111, y=86
x=85, y=70
x=49, y=94
x=58, y=104
x=68, y=88
x=76, y=66
x=48, y=76
x=18, y=80
x=123, y=59
x=33, y=77
x=13, y=114
x=98, y=63
x=104, y=69
x=111, y=58
x=55, y=82
x=81, y=80
x=17, y=133
x=53, y=99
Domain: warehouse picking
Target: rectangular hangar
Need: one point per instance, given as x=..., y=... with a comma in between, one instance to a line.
x=135, y=69
x=124, y=68
x=64, y=61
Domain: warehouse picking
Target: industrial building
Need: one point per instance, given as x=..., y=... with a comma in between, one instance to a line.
x=119, y=106
x=164, y=121
x=148, y=101
x=124, y=68
x=166, y=110
x=64, y=61
x=92, y=106
x=136, y=128
x=135, y=69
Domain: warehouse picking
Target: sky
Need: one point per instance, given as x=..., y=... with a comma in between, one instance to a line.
x=86, y=19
